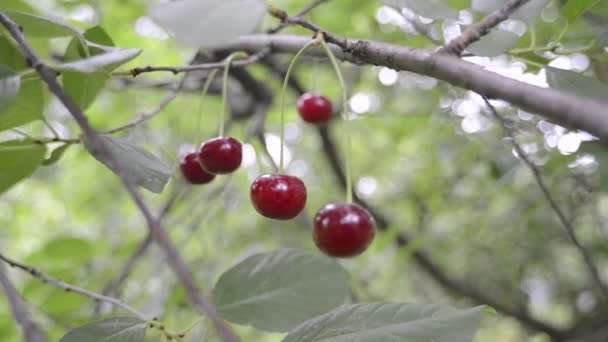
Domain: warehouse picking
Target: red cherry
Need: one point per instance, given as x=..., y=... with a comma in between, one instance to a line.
x=192, y=170
x=221, y=155
x=314, y=108
x=343, y=230
x=280, y=197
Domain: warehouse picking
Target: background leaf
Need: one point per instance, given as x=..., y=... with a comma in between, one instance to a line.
x=37, y=26
x=9, y=87
x=434, y=9
x=495, y=43
x=144, y=168
x=19, y=159
x=528, y=12
x=600, y=152
x=390, y=322
x=202, y=23
x=27, y=106
x=117, y=329
x=575, y=83
x=277, y=291
x=574, y=8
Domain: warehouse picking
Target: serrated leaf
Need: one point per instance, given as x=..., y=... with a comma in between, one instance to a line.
x=494, y=44
x=56, y=155
x=574, y=8
x=117, y=329
x=202, y=23
x=27, y=106
x=434, y=9
x=575, y=83
x=19, y=160
x=105, y=61
x=528, y=12
x=84, y=89
x=390, y=322
x=44, y=27
x=10, y=82
x=600, y=152
x=277, y=291
x=143, y=167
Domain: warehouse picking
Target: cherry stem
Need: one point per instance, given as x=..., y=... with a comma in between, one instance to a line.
x=345, y=113
x=318, y=38
x=225, y=87
x=206, y=86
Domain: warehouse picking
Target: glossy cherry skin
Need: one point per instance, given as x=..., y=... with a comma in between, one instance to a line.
x=343, y=230
x=314, y=108
x=221, y=155
x=193, y=171
x=276, y=196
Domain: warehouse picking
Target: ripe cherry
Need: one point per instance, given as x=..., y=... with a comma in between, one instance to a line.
x=192, y=170
x=314, y=108
x=343, y=230
x=277, y=196
x=221, y=155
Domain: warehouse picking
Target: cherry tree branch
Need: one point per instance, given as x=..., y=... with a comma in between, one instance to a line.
x=71, y=288
x=31, y=330
x=476, y=31
x=566, y=109
x=300, y=13
x=536, y=172
x=155, y=227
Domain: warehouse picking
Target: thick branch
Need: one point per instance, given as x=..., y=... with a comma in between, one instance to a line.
x=475, y=32
x=31, y=330
x=563, y=108
x=160, y=235
x=587, y=257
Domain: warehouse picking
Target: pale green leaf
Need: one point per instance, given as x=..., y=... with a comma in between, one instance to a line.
x=575, y=83
x=116, y=329
x=495, y=43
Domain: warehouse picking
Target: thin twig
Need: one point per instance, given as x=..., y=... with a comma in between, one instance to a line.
x=536, y=172
x=475, y=32
x=31, y=331
x=175, y=260
x=300, y=13
x=72, y=288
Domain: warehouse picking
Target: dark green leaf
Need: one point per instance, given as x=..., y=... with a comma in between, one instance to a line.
x=27, y=106
x=19, y=159
x=573, y=82
x=495, y=43
x=574, y=8
x=144, y=168
x=37, y=26
x=10, y=82
x=434, y=9
x=390, y=322
x=117, y=329
x=277, y=291
x=56, y=155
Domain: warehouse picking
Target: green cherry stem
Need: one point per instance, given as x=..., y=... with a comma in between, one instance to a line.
x=318, y=38
x=225, y=87
x=345, y=113
x=204, y=92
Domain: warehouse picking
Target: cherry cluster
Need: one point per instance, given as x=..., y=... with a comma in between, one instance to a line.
x=340, y=230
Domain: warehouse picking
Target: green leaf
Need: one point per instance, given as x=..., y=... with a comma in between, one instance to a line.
x=37, y=26
x=27, y=106
x=600, y=152
x=19, y=160
x=10, y=56
x=10, y=82
x=277, y=291
x=69, y=248
x=434, y=9
x=105, y=62
x=573, y=82
x=574, y=8
x=494, y=44
x=202, y=23
x=116, y=329
x=85, y=88
x=144, y=168
x=56, y=155
x=390, y=322
x=528, y=12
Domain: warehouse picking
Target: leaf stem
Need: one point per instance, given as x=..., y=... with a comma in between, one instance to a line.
x=345, y=113
x=229, y=59
x=318, y=38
